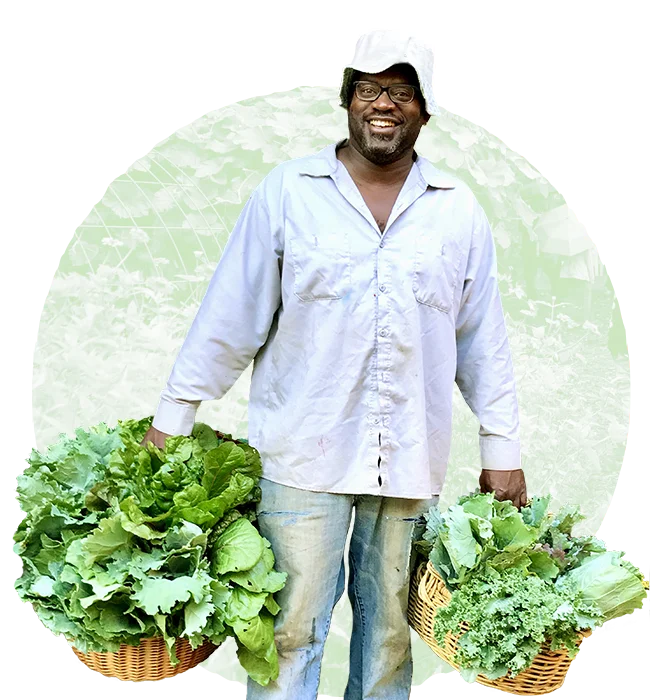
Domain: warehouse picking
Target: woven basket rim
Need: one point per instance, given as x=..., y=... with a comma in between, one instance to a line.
x=147, y=661
x=155, y=637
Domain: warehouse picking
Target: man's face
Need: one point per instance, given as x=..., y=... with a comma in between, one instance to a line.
x=382, y=131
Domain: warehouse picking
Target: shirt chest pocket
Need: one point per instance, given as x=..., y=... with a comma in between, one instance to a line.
x=436, y=270
x=321, y=264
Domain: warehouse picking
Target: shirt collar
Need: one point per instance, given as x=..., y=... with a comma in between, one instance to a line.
x=324, y=163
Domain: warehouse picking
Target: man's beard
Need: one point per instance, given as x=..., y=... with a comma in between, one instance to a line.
x=381, y=149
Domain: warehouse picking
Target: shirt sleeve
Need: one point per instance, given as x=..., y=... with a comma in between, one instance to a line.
x=231, y=324
x=484, y=370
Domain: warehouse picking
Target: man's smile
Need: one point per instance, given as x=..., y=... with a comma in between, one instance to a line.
x=382, y=125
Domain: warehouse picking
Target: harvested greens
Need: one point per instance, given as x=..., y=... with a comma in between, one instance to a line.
x=520, y=579
x=122, y=542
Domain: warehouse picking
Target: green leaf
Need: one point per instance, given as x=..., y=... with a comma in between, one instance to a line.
x=244, y=605
x=169, y=639
x=190, y=496
x=185, y=535
x=512, y=533
x=536, y=512
x=256, y=634
x=261, y=668
x=480, y=504
x=115, y=621
x=196, y=614
x=108, y=537
x=219, y=464
x=138, y=523
x=604, y=582
x=543, y=565
x=155, y=595
x=271, y=605
x=458, y=538
x=43, y=587
x=239, y=548
x=567, y=517
x=205, y=437
x=261, y=577
x=178, y=447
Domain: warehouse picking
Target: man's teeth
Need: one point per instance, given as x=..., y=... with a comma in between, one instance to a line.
x=381, y=122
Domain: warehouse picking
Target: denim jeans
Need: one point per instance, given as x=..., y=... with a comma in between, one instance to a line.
x=308, y=532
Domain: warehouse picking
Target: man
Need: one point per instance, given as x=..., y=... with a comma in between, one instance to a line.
x=362, y=281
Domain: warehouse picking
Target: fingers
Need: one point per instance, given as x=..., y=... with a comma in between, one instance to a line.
x=505, y=485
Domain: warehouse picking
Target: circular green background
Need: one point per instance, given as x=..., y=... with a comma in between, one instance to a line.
x=134, y=274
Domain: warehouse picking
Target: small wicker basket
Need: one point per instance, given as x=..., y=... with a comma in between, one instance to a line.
x=428, y=592
x=147, y=662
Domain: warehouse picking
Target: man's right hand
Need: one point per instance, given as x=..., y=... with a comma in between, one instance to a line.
x=156, y=437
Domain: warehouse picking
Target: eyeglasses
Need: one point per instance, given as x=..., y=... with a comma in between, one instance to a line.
x=370, y=92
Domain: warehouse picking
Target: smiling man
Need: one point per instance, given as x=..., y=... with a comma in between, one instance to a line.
x=363, y=283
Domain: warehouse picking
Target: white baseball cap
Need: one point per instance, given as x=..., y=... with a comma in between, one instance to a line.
x=379, y=50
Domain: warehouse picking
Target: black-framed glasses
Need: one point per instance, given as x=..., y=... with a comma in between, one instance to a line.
x=369, y=92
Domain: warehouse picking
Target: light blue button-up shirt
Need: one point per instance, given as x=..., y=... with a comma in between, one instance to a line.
x=357, y=336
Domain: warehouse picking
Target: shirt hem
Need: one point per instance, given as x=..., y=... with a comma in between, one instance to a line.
x=340, y=492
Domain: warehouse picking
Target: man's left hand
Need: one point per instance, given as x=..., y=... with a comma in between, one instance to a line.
x=508, y=485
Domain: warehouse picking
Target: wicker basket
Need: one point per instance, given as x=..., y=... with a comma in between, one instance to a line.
x=147, y=662
x=428, y=592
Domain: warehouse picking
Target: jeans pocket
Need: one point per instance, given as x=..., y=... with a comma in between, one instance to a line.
x=435, y=270
x=322, y=265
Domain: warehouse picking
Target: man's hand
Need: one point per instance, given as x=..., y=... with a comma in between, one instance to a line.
x=508, y=485
x=156, y=437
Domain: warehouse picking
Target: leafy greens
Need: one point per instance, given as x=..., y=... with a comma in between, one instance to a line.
x=122, y=541
x=519, y=579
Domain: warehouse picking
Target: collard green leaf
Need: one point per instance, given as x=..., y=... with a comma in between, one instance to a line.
x=603, y=582
x=511, y=532
x=262, y=668
x=255, y=634
x=480, y=504
x=457, y=536
x=244, y=605
x=239, y=548
x=261, y=577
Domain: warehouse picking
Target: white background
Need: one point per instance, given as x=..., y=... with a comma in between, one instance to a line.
x=93, y=86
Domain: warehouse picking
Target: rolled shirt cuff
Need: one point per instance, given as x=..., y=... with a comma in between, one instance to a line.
x=175, y=418
x=499, y=453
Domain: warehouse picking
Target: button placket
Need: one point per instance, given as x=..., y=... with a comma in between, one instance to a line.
x=384, y=351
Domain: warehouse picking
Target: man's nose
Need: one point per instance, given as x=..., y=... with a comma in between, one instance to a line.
x=383, y=101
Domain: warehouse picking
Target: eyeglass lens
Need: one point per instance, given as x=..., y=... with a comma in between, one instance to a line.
x=370, y=92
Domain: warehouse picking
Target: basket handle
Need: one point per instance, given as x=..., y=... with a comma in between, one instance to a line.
x=421, y=588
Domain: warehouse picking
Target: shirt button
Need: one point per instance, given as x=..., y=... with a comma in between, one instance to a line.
x=382, y=244
x=383, y=332
x=376, y=420
x=382, y=287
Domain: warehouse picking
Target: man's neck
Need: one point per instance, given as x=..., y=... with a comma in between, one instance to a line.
x=368, y=173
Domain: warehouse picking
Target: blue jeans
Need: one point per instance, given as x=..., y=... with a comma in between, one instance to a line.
x=308, y=532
